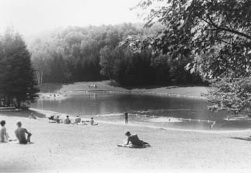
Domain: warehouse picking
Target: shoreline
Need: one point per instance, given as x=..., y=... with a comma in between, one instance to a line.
x=48, y=113
x=192, y=92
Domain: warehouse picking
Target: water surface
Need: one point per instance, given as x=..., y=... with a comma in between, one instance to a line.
x=152, y=110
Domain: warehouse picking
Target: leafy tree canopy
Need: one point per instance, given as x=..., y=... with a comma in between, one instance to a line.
x=214, y=34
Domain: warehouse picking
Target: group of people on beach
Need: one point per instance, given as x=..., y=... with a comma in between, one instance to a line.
x=22, y=134
x=67, y=120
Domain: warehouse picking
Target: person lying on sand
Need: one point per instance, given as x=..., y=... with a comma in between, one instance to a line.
x=21, y=134
x=3, y=134
x=133, y=141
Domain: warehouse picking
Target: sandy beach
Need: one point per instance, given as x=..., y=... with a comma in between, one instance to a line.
x=67, y=148
x=78, y=148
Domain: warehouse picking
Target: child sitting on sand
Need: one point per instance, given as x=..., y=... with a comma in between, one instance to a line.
x=92, y=122
x=3, y=134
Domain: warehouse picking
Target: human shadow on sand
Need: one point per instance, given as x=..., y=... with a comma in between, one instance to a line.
x=241, y=138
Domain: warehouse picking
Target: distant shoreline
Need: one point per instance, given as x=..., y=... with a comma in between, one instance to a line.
x=193, y=92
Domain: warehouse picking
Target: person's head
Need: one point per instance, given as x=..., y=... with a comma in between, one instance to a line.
x=19, y=124
x=128, y=133
x=2, y=122
x=67, y=116
x=92, y=118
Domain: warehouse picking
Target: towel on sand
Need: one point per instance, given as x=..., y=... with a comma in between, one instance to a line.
x=134, y=146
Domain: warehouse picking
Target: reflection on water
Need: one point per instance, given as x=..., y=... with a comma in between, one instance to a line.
x=174, y=112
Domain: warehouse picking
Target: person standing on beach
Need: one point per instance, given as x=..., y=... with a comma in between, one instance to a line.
x=21, y=134
x=126, y=117
x=3, y=134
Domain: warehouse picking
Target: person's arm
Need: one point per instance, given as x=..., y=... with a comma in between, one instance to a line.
x=26, y=131
x=128, y=140
x=16, y=134
x=7, y=135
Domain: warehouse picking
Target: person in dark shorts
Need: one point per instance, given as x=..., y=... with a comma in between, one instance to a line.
x=21, y=134
x=134, y=140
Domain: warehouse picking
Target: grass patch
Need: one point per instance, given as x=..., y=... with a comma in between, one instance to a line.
x=49, y=87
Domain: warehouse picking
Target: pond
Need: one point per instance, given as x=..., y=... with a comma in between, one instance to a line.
x=146, y=110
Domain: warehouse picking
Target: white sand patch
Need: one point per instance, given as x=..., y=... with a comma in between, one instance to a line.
x=52, y=96
x=165, y=120
x=110, y=115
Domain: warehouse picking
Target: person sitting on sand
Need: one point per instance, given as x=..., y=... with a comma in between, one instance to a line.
x=134, y=140
x=92, y=122
x=77, y=120
x=3, y=134
x=67, y=120
x=57, y=119
x=21, y=134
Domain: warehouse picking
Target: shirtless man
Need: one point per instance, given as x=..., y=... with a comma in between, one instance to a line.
x=20, y=134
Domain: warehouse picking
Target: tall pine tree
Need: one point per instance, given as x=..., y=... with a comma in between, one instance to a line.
x=18, y=84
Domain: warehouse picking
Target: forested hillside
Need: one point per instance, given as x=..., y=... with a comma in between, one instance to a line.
x=94, y=53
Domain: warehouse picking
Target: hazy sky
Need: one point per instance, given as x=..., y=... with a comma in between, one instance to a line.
x=32, y=16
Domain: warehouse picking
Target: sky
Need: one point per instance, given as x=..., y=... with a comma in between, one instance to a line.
x=33, y=16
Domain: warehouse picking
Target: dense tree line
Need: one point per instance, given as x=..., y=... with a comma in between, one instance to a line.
x=94, y=53
x=215, y=35
x=17, y=77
